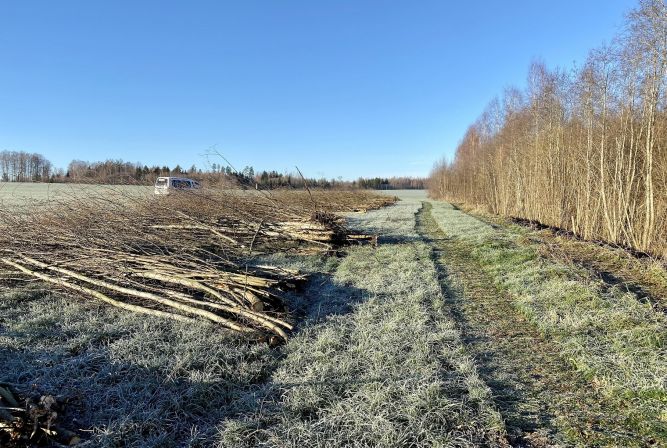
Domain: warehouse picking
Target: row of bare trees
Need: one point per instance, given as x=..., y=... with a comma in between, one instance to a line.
x=20, y=166
x=108, y=171
x=391, y=183
x=24, y=167
x=584, y=150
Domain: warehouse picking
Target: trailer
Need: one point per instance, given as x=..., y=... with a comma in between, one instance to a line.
x=167, y=185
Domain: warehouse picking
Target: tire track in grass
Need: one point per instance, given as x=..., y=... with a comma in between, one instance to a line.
x=543, y=401
x=391, y=371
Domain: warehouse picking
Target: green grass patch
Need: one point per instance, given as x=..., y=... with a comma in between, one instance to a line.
x=610, y=335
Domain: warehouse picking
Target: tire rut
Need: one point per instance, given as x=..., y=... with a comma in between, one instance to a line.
x=544, y=402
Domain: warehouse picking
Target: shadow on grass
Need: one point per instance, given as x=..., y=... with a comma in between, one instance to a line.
x=144, y=381
x=497, y=344
x=323, y=298
x=398, y=239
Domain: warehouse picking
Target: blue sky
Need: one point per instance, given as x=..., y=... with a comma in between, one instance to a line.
x=339, y=88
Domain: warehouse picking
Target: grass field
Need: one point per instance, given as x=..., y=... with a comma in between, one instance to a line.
x=454, y=331
x=606, y=334
x=22, y=194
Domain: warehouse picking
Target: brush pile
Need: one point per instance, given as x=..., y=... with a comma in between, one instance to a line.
x=185, y=256
x=31, y=421
x=334, y=201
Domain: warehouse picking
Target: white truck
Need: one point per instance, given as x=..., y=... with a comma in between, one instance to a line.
x=166, y=185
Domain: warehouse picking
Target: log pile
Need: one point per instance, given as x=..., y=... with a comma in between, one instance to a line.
x=337, y=201
x=183, y=257
x=31, y=421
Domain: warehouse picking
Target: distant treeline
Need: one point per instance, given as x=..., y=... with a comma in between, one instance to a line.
x=273, y=179
x=393, y=183
x=25, y=167
x=19, y=166
x=119, y=172
x=583, y=150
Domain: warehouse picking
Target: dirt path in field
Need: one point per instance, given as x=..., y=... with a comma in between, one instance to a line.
x=543, y=401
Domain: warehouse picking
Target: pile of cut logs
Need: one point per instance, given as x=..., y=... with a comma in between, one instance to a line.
x=183, y=257
x=31, y=421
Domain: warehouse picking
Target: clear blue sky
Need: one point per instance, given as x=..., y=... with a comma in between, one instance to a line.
x=339, y=88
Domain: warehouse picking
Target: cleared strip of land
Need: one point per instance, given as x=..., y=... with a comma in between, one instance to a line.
x=611, y=337
x=375, y=361
x=452, y=332
x=391, y=371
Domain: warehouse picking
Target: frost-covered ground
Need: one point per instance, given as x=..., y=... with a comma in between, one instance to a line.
x=391, y=371
x=376, y=361
x=614, y=338
x=25, y=194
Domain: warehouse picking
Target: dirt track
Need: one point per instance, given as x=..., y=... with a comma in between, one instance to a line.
x=543, y=400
